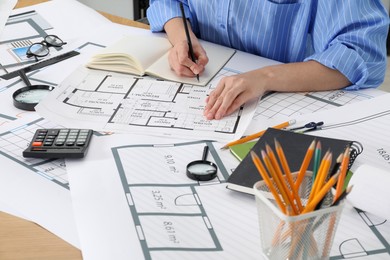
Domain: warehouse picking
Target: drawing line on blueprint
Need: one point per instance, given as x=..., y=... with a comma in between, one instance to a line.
x=134, y=101
x=174, y=203
x=294, y=104
x=14, y=141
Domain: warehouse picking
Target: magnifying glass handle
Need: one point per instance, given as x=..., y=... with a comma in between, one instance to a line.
x=23, y=75
x=205, y=152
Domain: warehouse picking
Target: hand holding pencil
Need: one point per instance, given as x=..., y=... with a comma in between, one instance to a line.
x=187, y=58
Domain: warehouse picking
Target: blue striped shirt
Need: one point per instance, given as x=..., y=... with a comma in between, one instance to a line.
x=347, y=35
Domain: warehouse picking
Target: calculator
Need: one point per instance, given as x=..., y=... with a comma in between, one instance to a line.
x=59, y=143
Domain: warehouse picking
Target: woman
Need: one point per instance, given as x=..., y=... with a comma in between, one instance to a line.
x=324, y=44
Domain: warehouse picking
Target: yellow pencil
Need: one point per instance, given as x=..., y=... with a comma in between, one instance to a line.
x=305, y=164
x=279, y=175
x=287, y=199
x=263, y=172
x=343, y=172
x=257, y=135
x=318, y=197
x=322, y=174
x=287, y=172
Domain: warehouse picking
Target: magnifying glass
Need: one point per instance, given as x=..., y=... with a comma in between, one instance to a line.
x=202, y=170
x=28, y=97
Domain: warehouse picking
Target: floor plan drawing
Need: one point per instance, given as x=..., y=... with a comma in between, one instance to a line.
x=165, y=205
x=30, y=184
x=174, y=217
x=124, y=103
x=173, y=202
x=15, y=140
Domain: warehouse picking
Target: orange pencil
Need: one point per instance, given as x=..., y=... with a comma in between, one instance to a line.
x=343, y=172
x=282, y=180
x=318, y=197
x=271, y=170
x=268, y=182
x=305, y=164
x=257, y=135
x=287, y=172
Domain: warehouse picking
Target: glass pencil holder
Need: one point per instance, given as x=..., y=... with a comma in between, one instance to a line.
x=303, y=236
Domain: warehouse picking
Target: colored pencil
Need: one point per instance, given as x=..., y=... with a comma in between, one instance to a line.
x=287, y=172
x=282, y=180
x=318, y=197
x=304, y=165
x=263, y=172
x=278, y=184
x=257, y=135
x=343, y=173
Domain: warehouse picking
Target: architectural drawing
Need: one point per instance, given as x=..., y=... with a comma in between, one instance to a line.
x=15, y=140
x=167, y=207
x=118, y=102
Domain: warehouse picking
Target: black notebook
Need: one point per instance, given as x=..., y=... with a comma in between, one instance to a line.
x=295, y=146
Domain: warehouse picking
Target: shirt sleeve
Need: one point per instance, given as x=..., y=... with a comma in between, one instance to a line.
x=350, y=36
x=161, y=11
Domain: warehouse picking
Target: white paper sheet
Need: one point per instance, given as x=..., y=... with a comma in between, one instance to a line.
x=38, y=189
x=370, y=190
x=132, y=200
x=170, y=216
x=6, y=7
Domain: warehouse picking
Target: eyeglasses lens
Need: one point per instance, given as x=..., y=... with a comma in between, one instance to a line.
x=53, y=40
x=38, y=49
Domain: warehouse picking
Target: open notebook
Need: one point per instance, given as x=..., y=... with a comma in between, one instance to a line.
x=148, y=55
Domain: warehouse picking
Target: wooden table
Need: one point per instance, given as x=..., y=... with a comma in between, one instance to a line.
x=22, y=239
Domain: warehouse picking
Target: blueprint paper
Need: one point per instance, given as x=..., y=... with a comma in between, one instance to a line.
x=72, y=24
x=37, y=189
x=139, y=204
x=132, y=200
x=6, y=7
x=52, y=75
x=107, y=101
x=369, y=126
x=31, y=24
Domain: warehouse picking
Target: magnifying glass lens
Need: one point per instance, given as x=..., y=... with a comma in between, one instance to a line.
x=201, y=170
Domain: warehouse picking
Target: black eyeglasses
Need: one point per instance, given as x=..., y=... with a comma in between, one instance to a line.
x=41, y=49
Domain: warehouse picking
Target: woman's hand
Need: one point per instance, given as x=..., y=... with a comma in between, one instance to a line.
x=180, y=60
x=232, y=92
x=179, y=56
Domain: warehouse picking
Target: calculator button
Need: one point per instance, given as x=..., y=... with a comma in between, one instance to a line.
x=36, y=144
x=68, y=143
x=80, y=143
x=53, y=132
x=59, y=143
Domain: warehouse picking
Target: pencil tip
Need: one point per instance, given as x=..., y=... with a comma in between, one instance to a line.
x=224, y=147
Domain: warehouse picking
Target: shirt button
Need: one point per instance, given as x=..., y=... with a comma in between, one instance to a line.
x=222, y=26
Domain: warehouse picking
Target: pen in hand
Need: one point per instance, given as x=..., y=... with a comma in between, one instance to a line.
x=188, y=36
